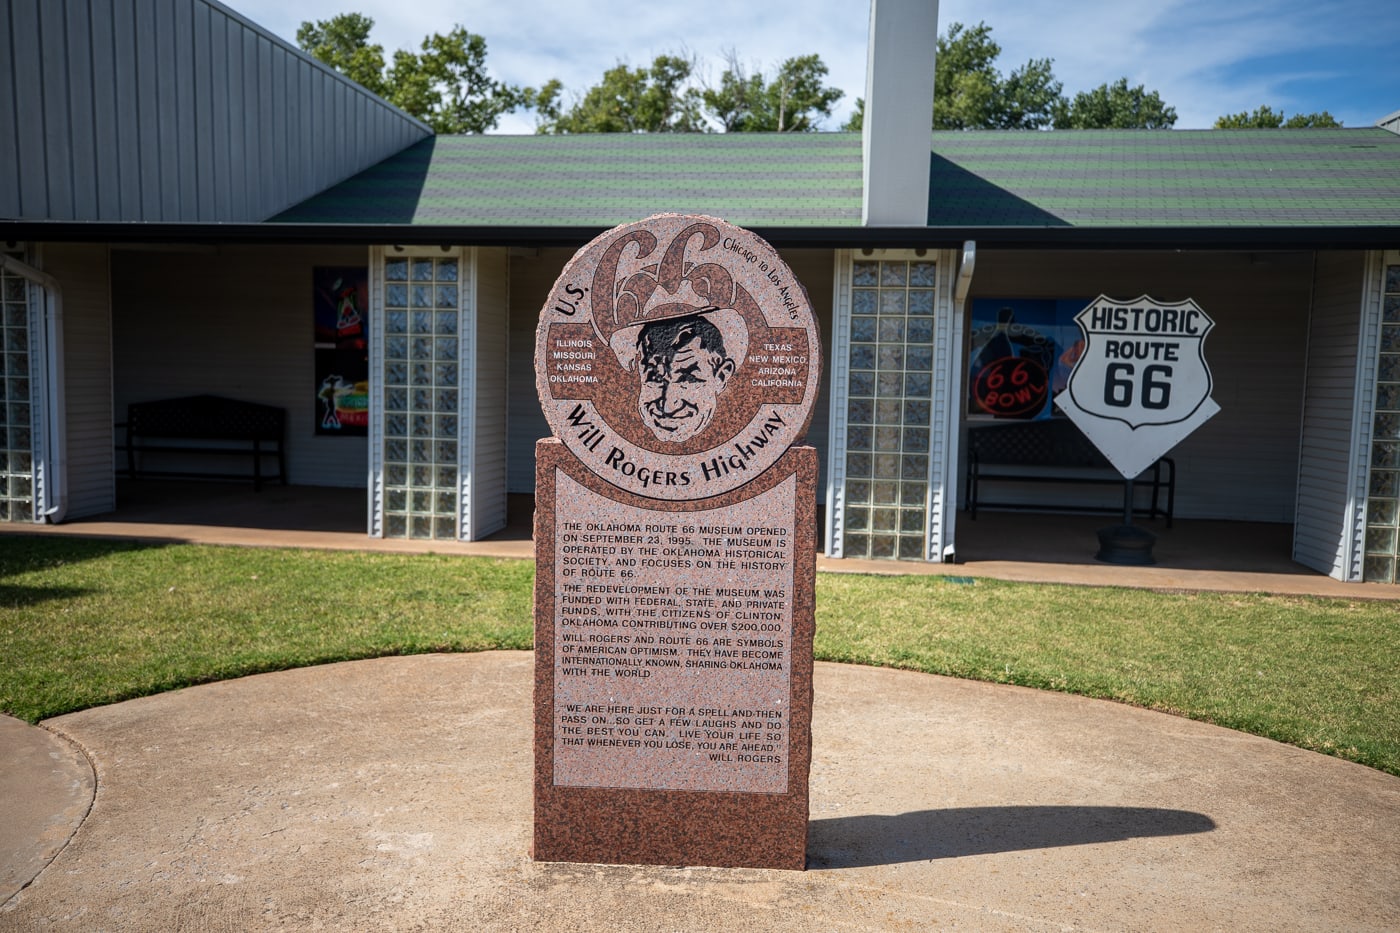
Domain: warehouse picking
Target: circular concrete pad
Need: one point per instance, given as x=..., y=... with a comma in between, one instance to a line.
x=395, y=794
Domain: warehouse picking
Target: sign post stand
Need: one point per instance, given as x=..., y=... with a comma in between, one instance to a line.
x=1140, y=387
x=1126, y=544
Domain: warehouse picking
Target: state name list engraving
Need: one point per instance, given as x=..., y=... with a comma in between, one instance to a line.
x=672, y=656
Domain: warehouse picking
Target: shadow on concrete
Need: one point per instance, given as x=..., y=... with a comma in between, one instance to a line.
x=865, y=841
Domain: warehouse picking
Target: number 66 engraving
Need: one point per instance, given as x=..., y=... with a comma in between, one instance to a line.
x=1156, y=389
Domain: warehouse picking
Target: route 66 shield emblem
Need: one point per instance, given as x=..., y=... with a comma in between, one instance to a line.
x=1141, y=383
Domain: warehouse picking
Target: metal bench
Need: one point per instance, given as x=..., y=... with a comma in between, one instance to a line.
x=205, y=425
x=1055, y=451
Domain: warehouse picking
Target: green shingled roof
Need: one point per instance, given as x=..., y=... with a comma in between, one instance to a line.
x=1154, y=178
x=1077, y=179
x=602, y=180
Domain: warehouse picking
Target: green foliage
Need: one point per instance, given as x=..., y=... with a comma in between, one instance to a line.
x=1227, y=658
x=1115, y=106
x=657, y=99
x=668, y=97
x=856, y=121
x=445, y=84
x=342, y=42
x=970, y=93
x=793, y=100
x=1265, y=118
x=87, y=622
x=468, y=99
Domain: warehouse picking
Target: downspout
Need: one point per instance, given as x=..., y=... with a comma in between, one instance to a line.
x=56, y=486
x=965, y=270
x=960, y=291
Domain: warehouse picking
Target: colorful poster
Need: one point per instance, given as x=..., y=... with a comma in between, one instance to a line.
x=341, y=315
x=1020, y=355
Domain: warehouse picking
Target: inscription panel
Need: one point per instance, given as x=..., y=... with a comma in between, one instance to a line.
x=672, y=652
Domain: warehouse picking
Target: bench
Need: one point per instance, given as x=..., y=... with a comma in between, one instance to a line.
x=205, y=425
x=1055, y=451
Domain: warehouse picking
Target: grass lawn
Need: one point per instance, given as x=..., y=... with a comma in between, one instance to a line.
x=84, y=623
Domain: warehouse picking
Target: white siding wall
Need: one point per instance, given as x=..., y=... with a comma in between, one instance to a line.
x=1243, y=463
x=173, y=110
x=82, y=270
x=1324, y=487
x=235, y=322
x=530, y=280
x=488, y=493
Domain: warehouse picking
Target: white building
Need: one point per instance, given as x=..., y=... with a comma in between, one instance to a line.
x=173, y=196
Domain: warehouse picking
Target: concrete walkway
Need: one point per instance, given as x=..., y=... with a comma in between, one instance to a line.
x=394, y=794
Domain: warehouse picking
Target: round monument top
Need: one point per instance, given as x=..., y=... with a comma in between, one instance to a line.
x=678, y=357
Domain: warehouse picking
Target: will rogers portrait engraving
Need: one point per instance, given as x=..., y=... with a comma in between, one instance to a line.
x=684, y=352
x=680, y=357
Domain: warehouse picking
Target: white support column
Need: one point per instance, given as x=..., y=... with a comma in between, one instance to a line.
x=947, y=408
x=375, y=481
x=47, y=429
x=897, y=129
x=839, y=376
x=894, y=327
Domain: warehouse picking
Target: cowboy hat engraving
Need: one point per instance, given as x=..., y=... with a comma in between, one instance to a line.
x=673, y=325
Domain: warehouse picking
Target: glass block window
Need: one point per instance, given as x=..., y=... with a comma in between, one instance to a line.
x=889, y=409
x=17, y=494
x=1381, y=561
x=422, y=397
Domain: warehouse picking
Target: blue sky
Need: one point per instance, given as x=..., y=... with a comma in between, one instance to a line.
x=1205, y=57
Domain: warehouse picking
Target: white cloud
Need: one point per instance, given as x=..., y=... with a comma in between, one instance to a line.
x=1205, y=57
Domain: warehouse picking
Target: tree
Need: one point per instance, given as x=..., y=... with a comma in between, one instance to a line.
x=343, y=43
x=1117, y=107
x=462, y=97
x=792, y=101
x=657, y=99
x=667, y=97
x=856, y=121
x=1265, y=118
x=446, y=84
x=970, y=93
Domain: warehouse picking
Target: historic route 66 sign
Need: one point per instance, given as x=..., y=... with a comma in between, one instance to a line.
x=1141, y=383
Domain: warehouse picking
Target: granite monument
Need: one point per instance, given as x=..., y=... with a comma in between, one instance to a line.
x=677, y=363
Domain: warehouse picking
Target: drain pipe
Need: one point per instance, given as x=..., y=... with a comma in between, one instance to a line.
x=55, y=504
x=960, y=290
x=965, y=270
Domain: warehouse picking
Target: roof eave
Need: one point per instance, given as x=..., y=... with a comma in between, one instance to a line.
x=1369, y=236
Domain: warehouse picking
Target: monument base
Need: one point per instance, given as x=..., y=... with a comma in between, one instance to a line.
x=1127, y=545
x=673, y=669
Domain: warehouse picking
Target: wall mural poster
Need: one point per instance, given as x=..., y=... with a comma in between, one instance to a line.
x=341, y=314
x=1020, y=355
